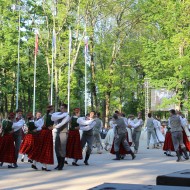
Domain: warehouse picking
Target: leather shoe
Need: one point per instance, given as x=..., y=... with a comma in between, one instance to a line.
x=34, y=167
x=74, y=164
x=15, y=165
x=86, y=163
x=45, y=169
x=10, y=166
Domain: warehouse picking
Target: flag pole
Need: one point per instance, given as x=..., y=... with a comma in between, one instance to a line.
x=85, y=56
x=35, y=55
x=52, y=66
x=69, y=67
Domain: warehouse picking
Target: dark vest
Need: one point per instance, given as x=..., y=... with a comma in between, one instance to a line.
x=7, y=126
x=73, y=123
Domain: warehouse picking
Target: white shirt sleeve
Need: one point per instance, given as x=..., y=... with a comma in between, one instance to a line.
x=58, y=115
x=139, y=122
x=183, y=121
x=87, y=127
x=130, y=122
x=39, y=124
x=155, y=123
x=18, y=125
x=63, y=122
x=82, y=121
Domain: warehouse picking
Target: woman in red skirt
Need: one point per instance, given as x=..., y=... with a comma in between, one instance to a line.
x=43, y=153
x=7, y=147
x=122, y=151
x=168, y=144
x=30, y=139
x=74, y=149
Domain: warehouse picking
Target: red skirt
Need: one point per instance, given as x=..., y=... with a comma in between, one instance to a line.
x=186, y=141
x=168, y=144
x=34, y=151
x=74, y=149
x=43, y=152
x=7, y=149
x=122, y=151
x=28, y=143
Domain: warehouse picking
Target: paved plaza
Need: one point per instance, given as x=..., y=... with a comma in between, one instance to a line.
x=143, y=170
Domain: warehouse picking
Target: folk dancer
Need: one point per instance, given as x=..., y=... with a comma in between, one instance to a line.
x=17, y=126
x=61, y=119
x=86, y=125
x=43, y=152
x=186, y=132
x=168, y=144
x=96, y=133
x=7, y=147
x=175, y=122
x=74, y=149
x=30, y=139
x=159, y=136
x=150, y=126
x=137, y=128
x=110, y=135
x=120, y=137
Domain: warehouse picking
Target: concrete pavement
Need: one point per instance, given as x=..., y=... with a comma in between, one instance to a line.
x=143, y=170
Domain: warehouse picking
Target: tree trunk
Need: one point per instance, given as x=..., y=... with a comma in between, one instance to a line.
x=108, y=94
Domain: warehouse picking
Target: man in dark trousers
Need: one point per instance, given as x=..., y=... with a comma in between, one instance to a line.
x=61, y=136
x=120, y=137
x=17, y=126
x=175, y=123
x=86, y=125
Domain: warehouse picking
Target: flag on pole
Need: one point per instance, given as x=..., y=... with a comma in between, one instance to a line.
x=36, y=44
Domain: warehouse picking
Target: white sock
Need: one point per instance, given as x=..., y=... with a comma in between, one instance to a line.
x=44, y=166
x=23, y=156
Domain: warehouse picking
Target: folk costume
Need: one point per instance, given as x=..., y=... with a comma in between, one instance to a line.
x=31, y=139
x=150, y=126
x=74, y=149
x=137, y=125
x=87, y=125
x=110, y=136
x=18, y=131
x=159, y=136
x=120, y=137
x=7, y=147
x=96, y=133
x=168, y=144
x=175, y=123
x=43, y=152
x=61, y=119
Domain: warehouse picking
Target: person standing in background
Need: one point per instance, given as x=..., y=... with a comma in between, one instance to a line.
x=96, y=133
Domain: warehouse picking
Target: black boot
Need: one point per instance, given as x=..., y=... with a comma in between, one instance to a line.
x=117, y=156
x=133, y=155
x=58, y=162
x=62, y=162
x=86, y=159
x=185, y=153
x=75, y=163
x=178, y=156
